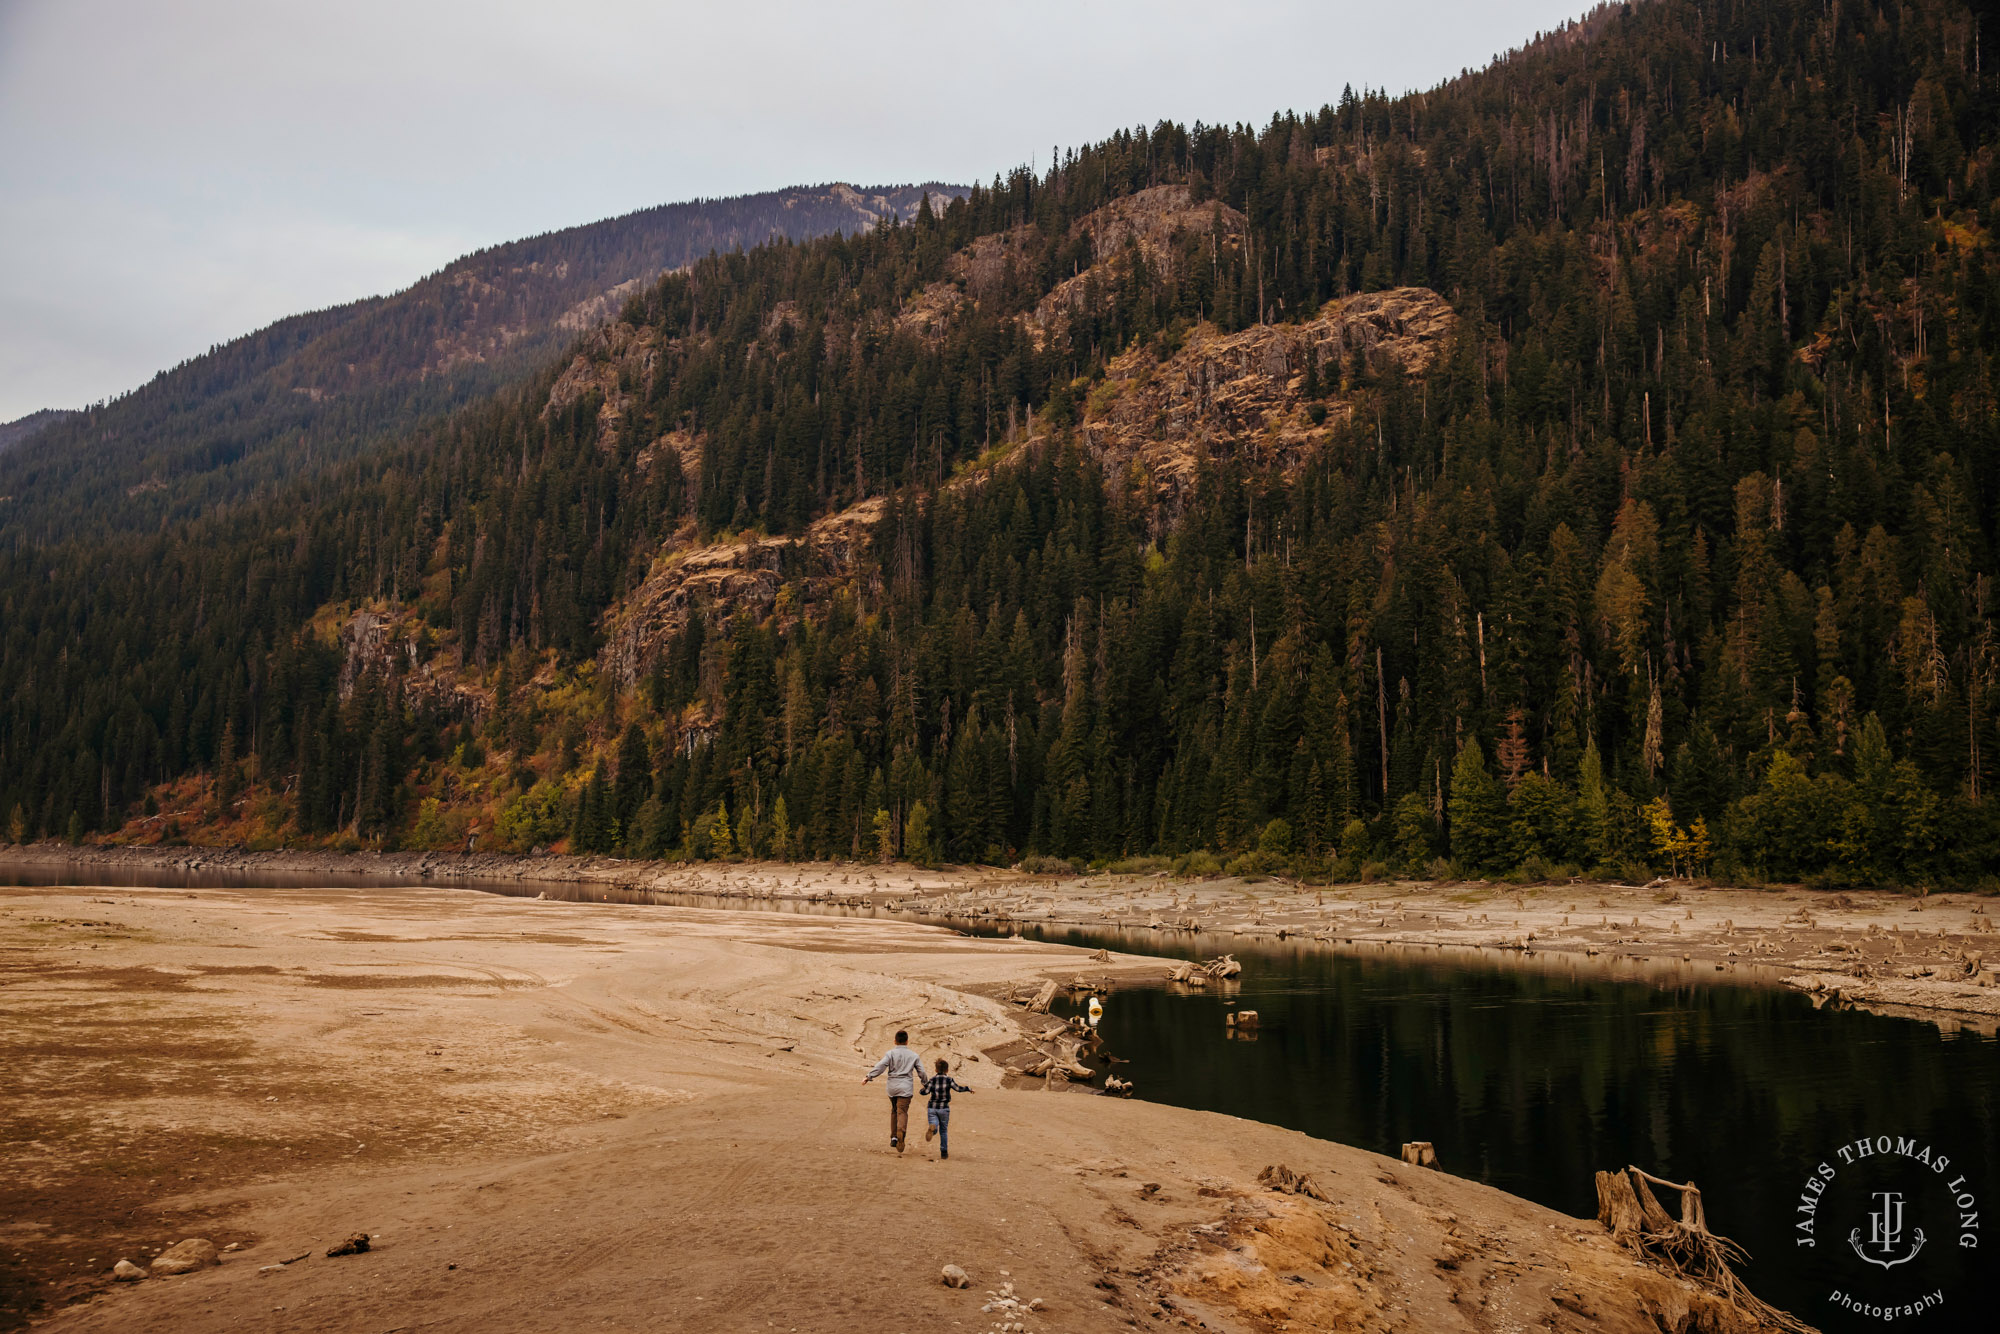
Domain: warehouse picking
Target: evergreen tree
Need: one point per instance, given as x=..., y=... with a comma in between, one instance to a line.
x=1478, y=811
x=917, y=836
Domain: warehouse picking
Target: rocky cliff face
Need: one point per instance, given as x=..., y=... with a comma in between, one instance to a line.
x=615, y=363
x=1243, y=394
x=757, y=575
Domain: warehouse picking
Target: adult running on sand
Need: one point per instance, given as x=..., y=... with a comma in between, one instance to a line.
x=900, y=1063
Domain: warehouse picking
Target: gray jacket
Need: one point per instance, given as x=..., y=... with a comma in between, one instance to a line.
x=900, y=1064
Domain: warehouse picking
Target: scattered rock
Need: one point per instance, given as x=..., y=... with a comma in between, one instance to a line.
x=354, y=1245
x=184, y=1257
x=954, y=1277
x=127, y=1272
x=1006, y=1303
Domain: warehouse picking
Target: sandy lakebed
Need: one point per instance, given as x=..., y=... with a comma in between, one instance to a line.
x=557, y=1115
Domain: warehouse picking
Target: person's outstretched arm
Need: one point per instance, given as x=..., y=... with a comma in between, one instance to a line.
x=880, y=1066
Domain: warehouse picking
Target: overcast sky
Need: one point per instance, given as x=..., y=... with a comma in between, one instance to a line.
x=172, y=175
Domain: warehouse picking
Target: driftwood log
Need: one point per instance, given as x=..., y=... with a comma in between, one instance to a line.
x=1684, y=1246
x=1043, y=999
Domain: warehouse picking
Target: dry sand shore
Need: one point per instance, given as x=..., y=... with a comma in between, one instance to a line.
x=555, y=1116
x=1935, y=958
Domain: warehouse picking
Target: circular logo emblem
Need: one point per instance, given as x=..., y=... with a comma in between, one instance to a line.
x=1894, y=1219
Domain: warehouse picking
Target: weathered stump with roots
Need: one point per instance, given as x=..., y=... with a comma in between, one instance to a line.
x=1283, y=1179
x=1637, y=1221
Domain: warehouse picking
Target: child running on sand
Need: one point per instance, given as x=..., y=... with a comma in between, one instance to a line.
x=937, y=1109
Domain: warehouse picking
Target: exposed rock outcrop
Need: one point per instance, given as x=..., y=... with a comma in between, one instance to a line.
x=1153, y=221
x=1224, y=395
x=618, y=362
x=391, y=641
x=742, y=575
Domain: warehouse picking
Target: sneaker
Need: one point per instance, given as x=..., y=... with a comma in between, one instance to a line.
x=943, y=1156
x=930, y=1134
x=893, y=1144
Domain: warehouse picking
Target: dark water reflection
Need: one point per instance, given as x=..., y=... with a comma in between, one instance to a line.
x=1531, y=1076
x=1533, y=1080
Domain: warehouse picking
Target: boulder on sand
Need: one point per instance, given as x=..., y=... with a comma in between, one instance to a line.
x=954, y=1277
x=184, y=1257
x=354, y=1245
x=127, y=1272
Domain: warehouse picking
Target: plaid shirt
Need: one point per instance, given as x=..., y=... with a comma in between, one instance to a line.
x=938, y=1089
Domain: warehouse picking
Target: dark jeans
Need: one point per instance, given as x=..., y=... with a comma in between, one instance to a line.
x=940, y=1117
x=899, y=1119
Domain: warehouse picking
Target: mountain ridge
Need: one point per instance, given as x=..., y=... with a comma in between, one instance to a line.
x=314, y=387
x=25, y=427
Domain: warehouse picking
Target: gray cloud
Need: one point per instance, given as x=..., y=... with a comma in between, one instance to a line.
x=174, y=175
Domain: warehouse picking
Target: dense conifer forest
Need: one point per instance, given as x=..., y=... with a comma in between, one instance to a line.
x=1678, y=558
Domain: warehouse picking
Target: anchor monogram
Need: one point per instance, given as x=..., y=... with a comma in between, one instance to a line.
x=1885, y=1233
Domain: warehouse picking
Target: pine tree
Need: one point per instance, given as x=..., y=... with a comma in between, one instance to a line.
x=917, y=836
x=781, y=831
x=228, y=776
x=635, y=776
x=587, y=834
x=1478, y=811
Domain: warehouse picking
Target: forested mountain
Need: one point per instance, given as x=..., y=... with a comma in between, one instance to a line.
x=1589, y=463
x=21, y=428
x=316, y=388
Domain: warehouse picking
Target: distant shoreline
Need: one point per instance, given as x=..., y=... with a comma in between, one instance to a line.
x=309, y=861
x=1921, y=958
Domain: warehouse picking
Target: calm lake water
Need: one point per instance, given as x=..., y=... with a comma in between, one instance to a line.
x=1532, y=1075
x=1532, y=1081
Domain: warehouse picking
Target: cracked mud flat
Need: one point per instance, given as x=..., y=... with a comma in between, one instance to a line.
x=560, y=1116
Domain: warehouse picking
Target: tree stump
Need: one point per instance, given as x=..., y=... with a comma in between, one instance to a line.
x=1618, y=1209
x=1419, y=1153
x=1281, y=1178
x=1635, y=1219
